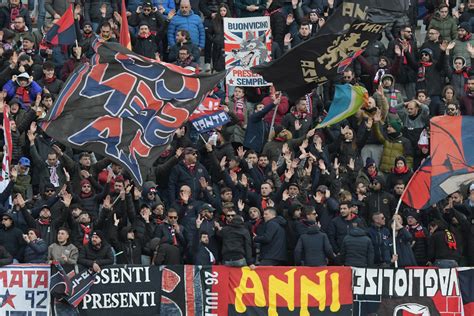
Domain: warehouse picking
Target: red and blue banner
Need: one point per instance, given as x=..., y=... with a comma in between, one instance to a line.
x=125, y=106
x=209, y=115
x=418, y=192
x=63, y=31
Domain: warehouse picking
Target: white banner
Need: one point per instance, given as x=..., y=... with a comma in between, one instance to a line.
x=24, y=290
x=247, y=43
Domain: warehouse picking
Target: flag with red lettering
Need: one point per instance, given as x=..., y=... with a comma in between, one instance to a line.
x=209, y=115
x=125, y=106
x=63, y=31
x=124, y=32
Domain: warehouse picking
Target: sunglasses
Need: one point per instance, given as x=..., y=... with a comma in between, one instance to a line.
x=6, y=219
x=230, y=215
x=86, y=186
x=50, y=190
x=172, y=217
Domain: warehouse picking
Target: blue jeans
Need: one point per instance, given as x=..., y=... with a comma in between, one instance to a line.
x=236, y=263
x=41, y=14
x=445, y=263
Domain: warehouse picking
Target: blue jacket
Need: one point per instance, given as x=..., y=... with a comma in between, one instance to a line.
x=257, y=129
x=192, y=23
x=381, y=240
x=167, y=5
x=273, y=240
x=33, y=89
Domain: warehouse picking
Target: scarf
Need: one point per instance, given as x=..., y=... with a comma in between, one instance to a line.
x=45, y=221
x=419, y=233
x=450, y=240
x=14, y=13
x=239, y=109
x=264, y=202
x=145, y=36
x=50, y=80
x=392, y=98
x=464, y=73
x=255, y=225
x=405, y=60
x=422, y=70
x=466, y=38
x=53, y=175
x=402, y=170
x=23, y=94
x=85, y=195
x=173, y=235
x=299, y=115
x=378, y=75
x=212, y=259
x=372, y=174
x=86, y=230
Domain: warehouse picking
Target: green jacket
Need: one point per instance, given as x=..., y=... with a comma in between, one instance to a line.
x=392, y=148
x=447, y=27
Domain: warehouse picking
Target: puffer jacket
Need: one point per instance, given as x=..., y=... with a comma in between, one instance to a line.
x=392, y=148
x=313, y=248
x=36, y=251
x=447, y=27
x=273, y=240
x=357, y=249
x=236, y=243
x=338, y=229
x=460, y=49
x=192, y=23
x=420, y=236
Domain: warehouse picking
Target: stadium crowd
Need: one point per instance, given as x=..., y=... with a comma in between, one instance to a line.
x=253, y=192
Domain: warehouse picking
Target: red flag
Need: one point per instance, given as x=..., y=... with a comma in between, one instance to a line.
x=124, y=33
x=63, y=31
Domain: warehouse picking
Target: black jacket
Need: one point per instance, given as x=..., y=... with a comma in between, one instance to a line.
x=5, y=256
x=357, y=249
x=236, y=243
x=338, y=229
x=36, y=252
x=12, y=239
x=438, y=247
x=313, y=248
x=131, y=249
x=102, y=256
x=273, y=240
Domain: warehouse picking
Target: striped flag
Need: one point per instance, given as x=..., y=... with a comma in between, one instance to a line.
x=348, y=99
x=63, y=31
x=124, y=33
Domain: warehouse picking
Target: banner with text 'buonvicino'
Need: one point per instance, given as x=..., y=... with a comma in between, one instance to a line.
x=417, y=291
x=247, y=43
x=124, y=290
x=24, y=290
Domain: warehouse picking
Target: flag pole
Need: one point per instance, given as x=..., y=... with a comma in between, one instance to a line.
x=393, y=227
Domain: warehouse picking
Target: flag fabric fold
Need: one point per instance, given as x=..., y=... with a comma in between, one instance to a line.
x=451, y=164
x=348, y=99
x=63, y=31
x=125, y=106
x=318, y=59
x=209, y=115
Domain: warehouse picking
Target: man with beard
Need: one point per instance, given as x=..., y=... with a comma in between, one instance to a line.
x=146, y=14
x=171, y=233
x=340, y=225
x=49, y=82
x=187, y=172
x=145, y=43
x=97, y=253
x=298, y=121
x=47, y=224
x=205, y=224
x=405, y=43
x=414, y=117
x=87, y=38
x=12, y=10
x=394, y=144
x=460, y=43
